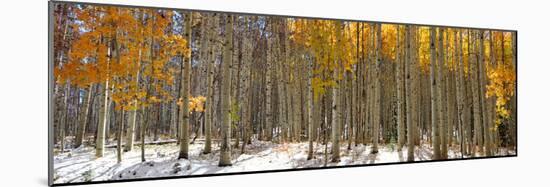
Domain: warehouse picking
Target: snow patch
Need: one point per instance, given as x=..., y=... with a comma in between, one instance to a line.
x=80, y=164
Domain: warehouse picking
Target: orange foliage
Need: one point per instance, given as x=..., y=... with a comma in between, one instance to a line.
x=116, y=45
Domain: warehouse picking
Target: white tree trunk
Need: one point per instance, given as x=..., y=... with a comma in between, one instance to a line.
x=225, y=147
x=209, y=112
x=185, y=91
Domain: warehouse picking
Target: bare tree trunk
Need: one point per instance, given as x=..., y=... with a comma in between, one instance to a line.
x=459, y=79
x=268, y=85
x=378, y=90
x=296, y=102
x=409, y=96
x=310, y=101
x=476, y=97
x=236, y=85
x=209, y=112
x=400, y=90
x=371, y=109
x=282, y=95
x=441, y=99
x=434, y=97
x=64, y=115
x=451, y=98
x=103, y=114
x=457, y=95
x=335, y=149
x=349, y=107
x=484, y=102
x=356, y=116
x=119, y=137
x=143, y=128
x=416, y=80
x=225, y=148
x=81, y=130
x=184, y=91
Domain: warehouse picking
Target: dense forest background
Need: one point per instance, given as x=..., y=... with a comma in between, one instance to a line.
x=220, y=83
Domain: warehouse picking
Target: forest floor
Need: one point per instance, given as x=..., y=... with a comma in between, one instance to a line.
x=80, y=165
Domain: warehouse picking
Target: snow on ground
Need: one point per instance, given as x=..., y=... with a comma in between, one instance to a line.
x=79, y=165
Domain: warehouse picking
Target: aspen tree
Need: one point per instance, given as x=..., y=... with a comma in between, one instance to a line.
x=209, y=112
x=225, y=147
x=484, y=102
x=409, y=95
x=103, y=114
x=475, y=95
x=459, y=84
x=336, y=101
x=441, y=99
x=378, y=89
x=83, y=116
x=400, y=90
x=130, y=133
x=434, y=97
x=185, y=91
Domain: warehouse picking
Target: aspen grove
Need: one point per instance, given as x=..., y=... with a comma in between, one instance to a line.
x=143, y=92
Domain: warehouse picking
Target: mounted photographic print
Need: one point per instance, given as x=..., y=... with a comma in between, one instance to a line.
x=139, y=93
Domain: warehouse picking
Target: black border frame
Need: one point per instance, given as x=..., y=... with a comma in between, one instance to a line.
x=51, y=108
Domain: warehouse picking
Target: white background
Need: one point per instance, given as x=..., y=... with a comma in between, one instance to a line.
x=23, y=92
